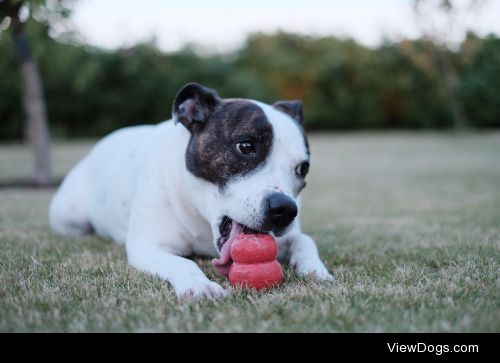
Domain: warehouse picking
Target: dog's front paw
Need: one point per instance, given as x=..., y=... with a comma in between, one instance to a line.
x=311, y=268
x=200, y=289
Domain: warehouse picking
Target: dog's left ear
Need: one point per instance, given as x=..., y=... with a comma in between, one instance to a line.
x=193, y=105
x=291, y=108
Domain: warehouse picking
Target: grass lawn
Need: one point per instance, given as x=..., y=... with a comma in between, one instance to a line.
x=409, y=224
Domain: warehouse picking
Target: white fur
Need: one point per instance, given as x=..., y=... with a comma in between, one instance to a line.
x=134, y=188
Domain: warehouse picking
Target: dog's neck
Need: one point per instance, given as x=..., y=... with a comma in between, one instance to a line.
x=198, y=196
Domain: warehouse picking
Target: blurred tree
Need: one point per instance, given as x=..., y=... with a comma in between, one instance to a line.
x=439, y=22
x=481, y=77
x=344, y=85
x=15, y=13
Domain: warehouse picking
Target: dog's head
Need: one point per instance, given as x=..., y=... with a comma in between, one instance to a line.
x=255, y=154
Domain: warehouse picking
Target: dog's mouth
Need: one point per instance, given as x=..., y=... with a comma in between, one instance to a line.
x=228, y=230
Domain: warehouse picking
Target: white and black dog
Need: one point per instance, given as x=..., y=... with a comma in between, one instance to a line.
x=169, y=190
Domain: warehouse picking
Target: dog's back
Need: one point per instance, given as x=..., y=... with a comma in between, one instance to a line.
x=96, y=189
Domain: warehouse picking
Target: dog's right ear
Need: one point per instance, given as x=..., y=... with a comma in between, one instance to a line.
x=193, y=106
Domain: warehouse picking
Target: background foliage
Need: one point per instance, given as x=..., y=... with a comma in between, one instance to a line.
x=343, y=84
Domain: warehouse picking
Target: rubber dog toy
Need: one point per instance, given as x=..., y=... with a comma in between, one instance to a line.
x=254, y=262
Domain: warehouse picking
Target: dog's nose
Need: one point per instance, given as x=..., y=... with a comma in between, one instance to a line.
x=281, y=210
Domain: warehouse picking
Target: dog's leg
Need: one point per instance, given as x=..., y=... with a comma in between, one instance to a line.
x=304, y=258
x=69, y=208
x=184, y=275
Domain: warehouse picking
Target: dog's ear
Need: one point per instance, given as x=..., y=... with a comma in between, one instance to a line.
x=292, y=108
x=193, y=105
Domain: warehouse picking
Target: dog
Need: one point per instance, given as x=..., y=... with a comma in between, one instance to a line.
x=188, y=185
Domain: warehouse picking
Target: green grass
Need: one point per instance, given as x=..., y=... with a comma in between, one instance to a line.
x=409, y=224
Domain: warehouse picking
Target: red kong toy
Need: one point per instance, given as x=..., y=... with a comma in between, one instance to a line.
x=250, y=260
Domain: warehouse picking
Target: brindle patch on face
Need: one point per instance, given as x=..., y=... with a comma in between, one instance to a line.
x=294, y=110
x=212, y=154
x=306, y=141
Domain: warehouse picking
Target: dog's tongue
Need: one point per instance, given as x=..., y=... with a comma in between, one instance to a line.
x=224, y=262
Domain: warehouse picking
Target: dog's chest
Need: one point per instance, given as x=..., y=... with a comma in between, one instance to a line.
x=194, y=229
x=199, y=237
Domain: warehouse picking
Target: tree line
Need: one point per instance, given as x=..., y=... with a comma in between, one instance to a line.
x=344, y=85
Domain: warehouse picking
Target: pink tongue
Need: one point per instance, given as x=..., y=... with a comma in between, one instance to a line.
x=224, y=262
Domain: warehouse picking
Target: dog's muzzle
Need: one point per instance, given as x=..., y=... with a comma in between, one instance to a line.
x=280, y=211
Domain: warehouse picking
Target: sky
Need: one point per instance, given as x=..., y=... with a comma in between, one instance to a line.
x=223, y=25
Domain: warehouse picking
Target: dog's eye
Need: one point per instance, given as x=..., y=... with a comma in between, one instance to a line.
x=245, y=147
x=302, y=169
